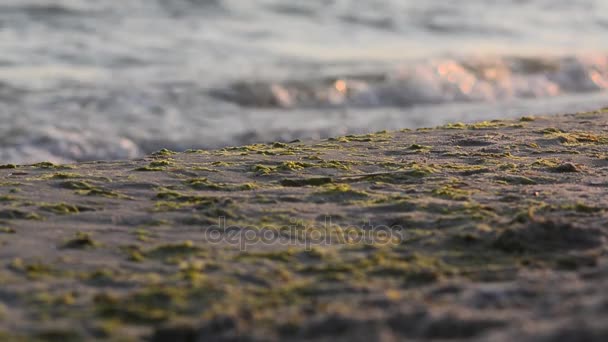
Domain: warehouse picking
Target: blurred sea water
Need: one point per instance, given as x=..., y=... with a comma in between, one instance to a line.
x=90, y=80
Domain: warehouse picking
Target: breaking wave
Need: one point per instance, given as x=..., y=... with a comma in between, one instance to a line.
x=437, y=81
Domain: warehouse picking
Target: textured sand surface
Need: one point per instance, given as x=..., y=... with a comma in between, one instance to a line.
x=489, y=231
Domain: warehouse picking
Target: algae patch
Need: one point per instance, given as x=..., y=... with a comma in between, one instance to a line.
x=86, y=189
x=81, y=241
x=61, y=208
x=17, y=214
x=171, y=252
x=157, y=165
x=7, y=230
x=338, y=193
x=206, y=184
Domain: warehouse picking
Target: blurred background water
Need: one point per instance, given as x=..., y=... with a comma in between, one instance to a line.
x=87, y=80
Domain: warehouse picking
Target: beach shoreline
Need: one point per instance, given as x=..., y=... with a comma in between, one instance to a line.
x=490, y=230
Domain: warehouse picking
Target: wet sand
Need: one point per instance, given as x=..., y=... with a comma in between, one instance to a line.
x=490, y=231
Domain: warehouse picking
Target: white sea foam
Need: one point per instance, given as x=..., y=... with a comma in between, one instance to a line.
x=437, y=81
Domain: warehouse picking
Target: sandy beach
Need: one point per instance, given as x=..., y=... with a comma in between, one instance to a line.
x=493, y=230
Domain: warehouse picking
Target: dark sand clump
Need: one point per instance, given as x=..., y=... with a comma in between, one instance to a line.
x=487, y=231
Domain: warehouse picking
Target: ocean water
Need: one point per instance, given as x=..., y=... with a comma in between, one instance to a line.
x=90, y=80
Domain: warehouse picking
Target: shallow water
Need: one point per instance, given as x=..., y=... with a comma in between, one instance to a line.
x=83, y=80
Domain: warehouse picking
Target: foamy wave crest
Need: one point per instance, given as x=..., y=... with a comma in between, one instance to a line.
x=60, y=145
x=433, y=82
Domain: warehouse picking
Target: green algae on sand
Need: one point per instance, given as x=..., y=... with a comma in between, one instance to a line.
x=462, y=231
